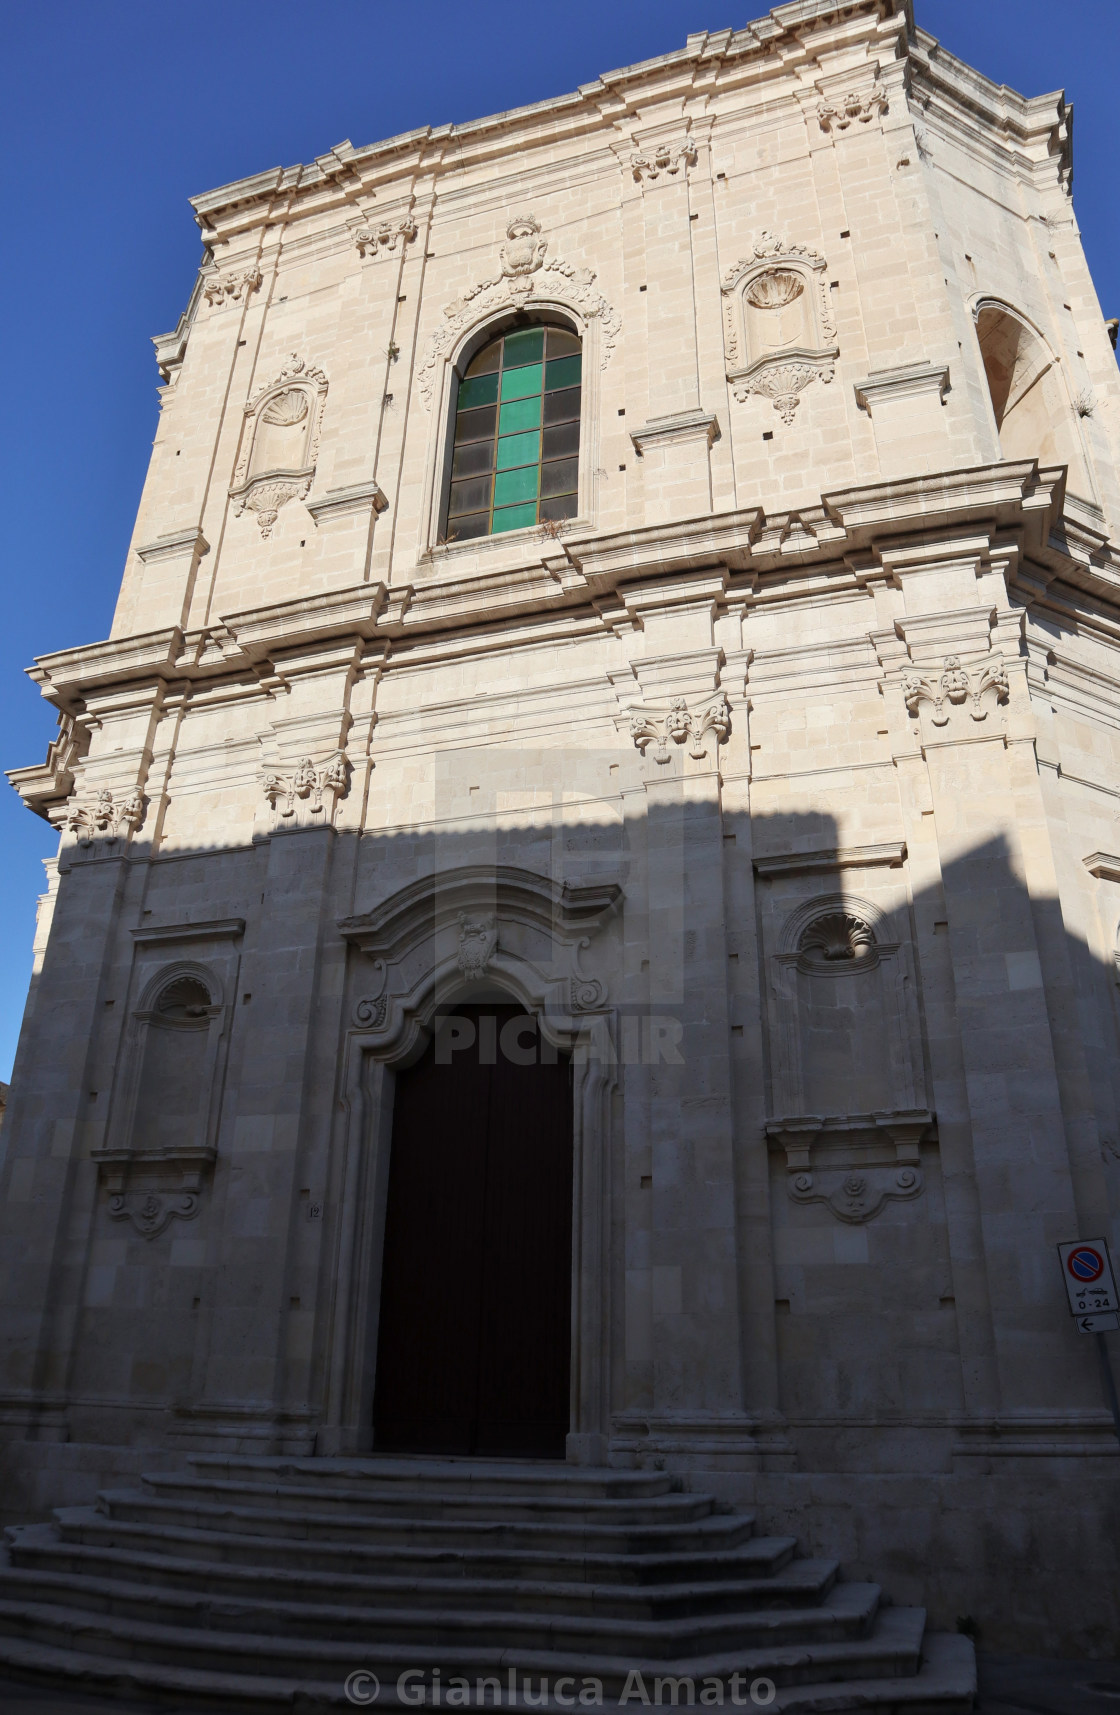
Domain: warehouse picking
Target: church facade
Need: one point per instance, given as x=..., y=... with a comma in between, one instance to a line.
x=586, y=917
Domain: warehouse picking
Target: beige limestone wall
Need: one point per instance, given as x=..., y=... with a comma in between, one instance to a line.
x=812, y=714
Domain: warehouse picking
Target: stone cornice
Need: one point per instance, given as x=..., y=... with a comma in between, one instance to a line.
x=1008, y=511
x=886, y=855
x=798, y=32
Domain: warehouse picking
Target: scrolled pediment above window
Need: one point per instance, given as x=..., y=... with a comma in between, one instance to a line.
x=779, y=330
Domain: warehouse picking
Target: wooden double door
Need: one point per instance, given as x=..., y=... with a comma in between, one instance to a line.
x=474, y=1333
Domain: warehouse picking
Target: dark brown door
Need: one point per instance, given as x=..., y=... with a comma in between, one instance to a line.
x=474, y=1336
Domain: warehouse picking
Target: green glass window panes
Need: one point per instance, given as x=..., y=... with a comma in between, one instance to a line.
x=518, y=449
x=488, y=361
x=521, y=383
x=526, y=345
x=505, y=473
x=478, y=390
x=519, y=414
x=476, y=425
x=511, y=486
x=564, y=372
x=475, y=458
x=514, y=517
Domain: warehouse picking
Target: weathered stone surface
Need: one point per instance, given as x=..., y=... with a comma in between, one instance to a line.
x=779, y=784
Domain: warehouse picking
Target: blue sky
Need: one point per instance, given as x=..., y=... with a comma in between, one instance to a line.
x=113, y=113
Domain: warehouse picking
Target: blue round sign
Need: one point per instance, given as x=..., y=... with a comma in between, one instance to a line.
x=1085, y=1264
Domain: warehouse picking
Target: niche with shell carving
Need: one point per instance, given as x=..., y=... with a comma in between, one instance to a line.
x=779, y=330
x=161, y=1145
x=845, y=1032
x=280, y=444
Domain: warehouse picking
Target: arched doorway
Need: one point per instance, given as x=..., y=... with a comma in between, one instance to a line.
x=474, y=1332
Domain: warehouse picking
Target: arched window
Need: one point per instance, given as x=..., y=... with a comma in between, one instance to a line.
x=1032, y=411
x=515, y=457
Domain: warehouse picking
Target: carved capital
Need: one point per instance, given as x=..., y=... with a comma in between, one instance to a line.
x=107, y=817
x=232, y=286
x=380, y=237
x=308, y=797
x=857, y=108
x=679, y=726
x=670, y=157
x=955, y=686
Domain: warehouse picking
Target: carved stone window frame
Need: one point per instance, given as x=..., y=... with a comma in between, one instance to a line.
x=264, y=493
x=780, y=376
x=416, y=945
x=487, y=325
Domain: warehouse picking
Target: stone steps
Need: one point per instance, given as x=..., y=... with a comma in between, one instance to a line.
x=754, y=1557
x=894, y=1649
x=281, y=1586
x=37, y=1547
x=420, y=1503
x=440, y=1476
x=945, y=1684
x=709, y=1531
x=847, y=1611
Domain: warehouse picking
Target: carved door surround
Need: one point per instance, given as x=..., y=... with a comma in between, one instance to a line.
x=436, y=940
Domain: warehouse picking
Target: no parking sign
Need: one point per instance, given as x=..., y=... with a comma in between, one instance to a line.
x=1090, y=1285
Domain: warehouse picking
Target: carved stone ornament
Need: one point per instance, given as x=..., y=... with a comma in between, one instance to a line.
x=523, y=275
x=679, y=726
x=370, y=1011
x=857, y=107
x=232, y=286
x=840, y=1161
x=478, y=942
x=587, y=993
x=293, y=401
x=517, y=929
x=955, y=686
x=106, y=817
x=669, y=157
x=524, y=250
x=376, y=238
x=151, y=1211
x=309, y=796
x=779, y=329
x=836, y=938
x=858, y=1194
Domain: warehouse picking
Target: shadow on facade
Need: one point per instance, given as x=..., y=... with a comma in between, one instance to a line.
x=834, y=1106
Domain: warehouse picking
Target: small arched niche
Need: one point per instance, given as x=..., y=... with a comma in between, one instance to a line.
x=779, y=329
x=846, y=1039
x=282, y=432
x=174, y=1069
x=280, y=446
x=1033, y=413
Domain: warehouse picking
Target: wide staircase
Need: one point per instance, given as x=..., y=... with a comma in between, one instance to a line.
x=255, y=1584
